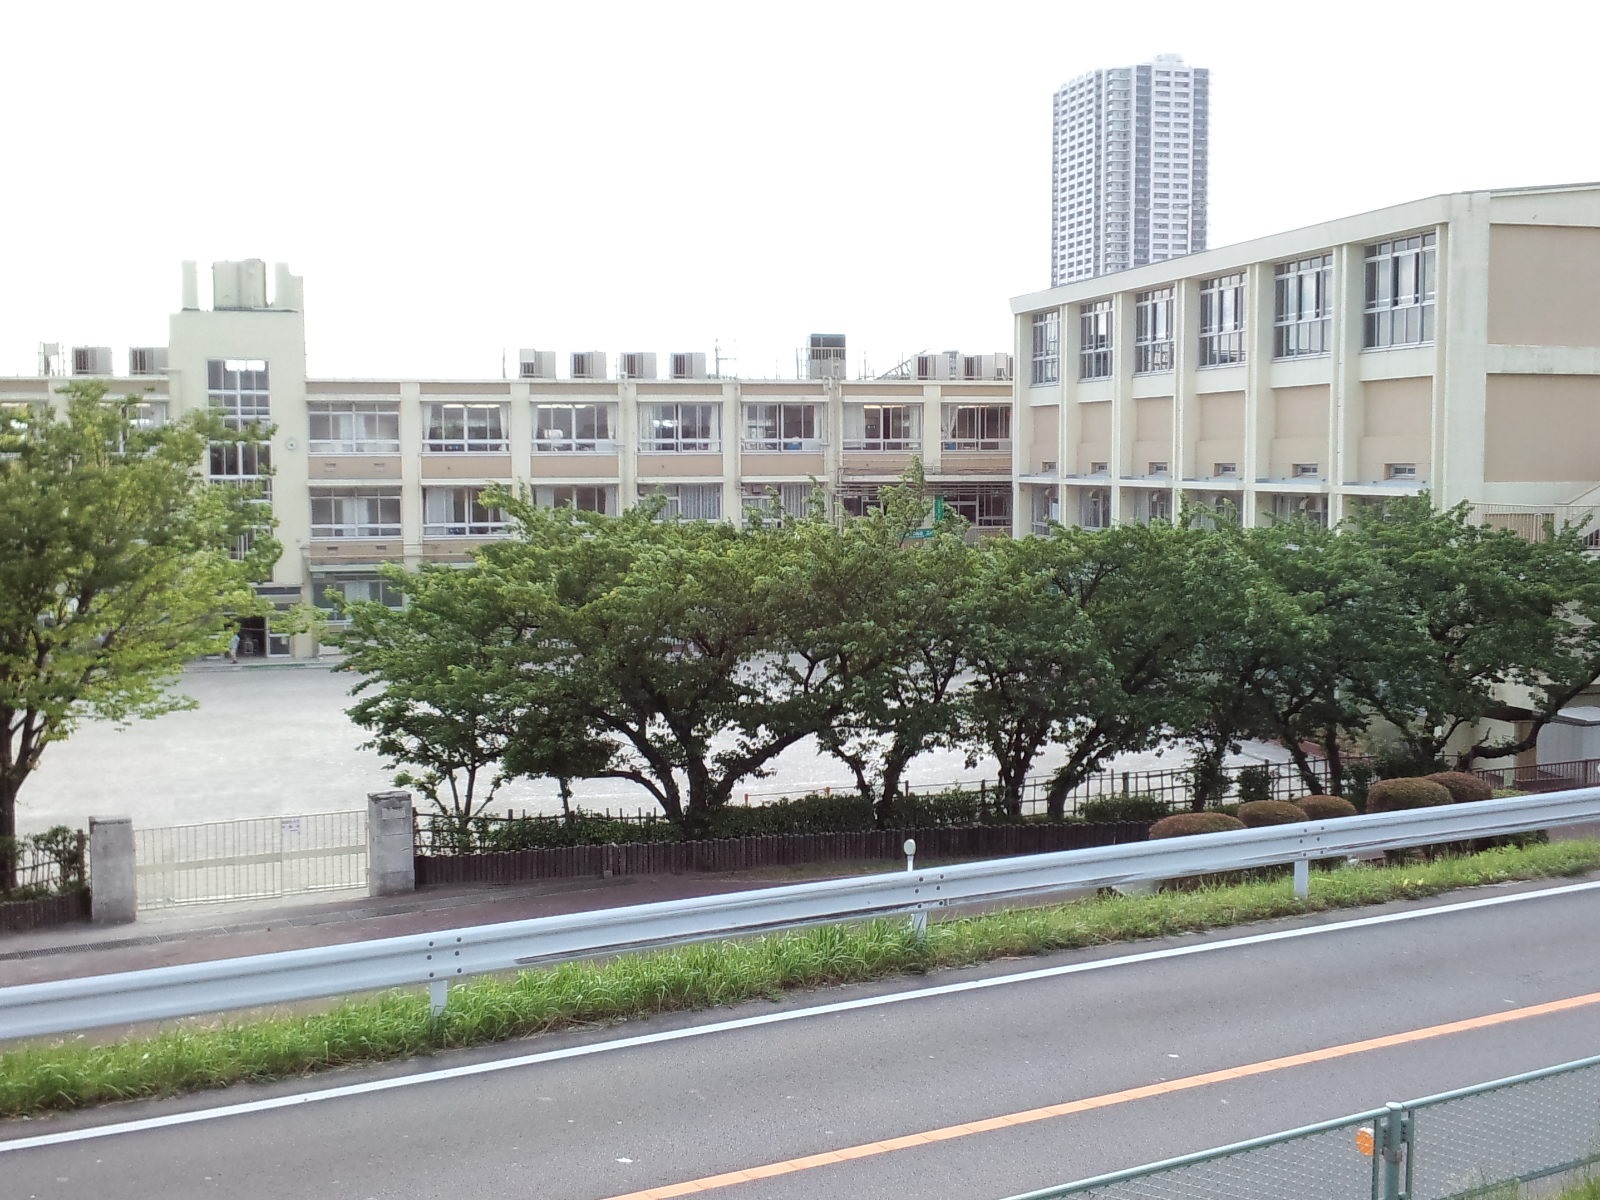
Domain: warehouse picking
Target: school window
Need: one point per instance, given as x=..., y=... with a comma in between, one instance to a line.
x=576, y=428
x=355, y=512
x=1046, y=347
x=979, y=427
x=688, y=501
x=333, y=594
x=239, y=391
x=465, y=429
x=774, y=504
x=1400, y=292
x=1302, y=306
x=780, y=427
x=681, y=428
x=1222, y=320
x=883, y=427
x=354, y=427
x=459, y=512
x=1094, y=340
x=983, y=507
x=579, y=497
x=1152, y=339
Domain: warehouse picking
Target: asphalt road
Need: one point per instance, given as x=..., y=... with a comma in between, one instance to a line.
x=608, y=1113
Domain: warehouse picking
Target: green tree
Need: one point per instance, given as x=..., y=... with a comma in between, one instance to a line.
x=1485, y=625
x=114, y=569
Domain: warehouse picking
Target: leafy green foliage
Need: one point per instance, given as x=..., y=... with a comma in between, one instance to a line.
x=1131, y=806
x=1255, y=784
x=114, y=569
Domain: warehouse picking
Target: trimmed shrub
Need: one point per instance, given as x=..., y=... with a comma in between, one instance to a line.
x=1185, y=824
x=1270, y=812
x=1322, y=808
x=1463, y=788
x=818, y=812
x=1135, y=806
x=953, y=808
x=1394, y=795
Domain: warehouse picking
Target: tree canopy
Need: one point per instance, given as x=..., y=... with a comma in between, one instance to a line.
x=115, y=568
x=685, y=656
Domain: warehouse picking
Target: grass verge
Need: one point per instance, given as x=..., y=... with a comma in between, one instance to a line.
x=75, y=1073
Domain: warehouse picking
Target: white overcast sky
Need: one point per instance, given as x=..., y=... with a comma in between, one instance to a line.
x=455, y=181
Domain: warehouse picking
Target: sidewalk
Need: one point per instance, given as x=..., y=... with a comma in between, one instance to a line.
x=200, y=934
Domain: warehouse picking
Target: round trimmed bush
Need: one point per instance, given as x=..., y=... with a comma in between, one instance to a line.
x=1463, y=788
x=1185, y=824
x=1257, y=813
x=1394, y=795
x=1322, y=808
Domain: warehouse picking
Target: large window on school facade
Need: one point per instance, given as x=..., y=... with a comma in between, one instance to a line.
x=1222, y=320
x=354, y=427
x=1152, y=335
x=1094, y=340
x=238, y=391
x=1399, y=292
x=1302, y=306
x=1046, y=347
x=465, y=429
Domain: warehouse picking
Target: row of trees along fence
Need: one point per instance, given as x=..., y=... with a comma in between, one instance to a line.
x=686, y=656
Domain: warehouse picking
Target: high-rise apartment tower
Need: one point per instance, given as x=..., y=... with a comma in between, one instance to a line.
x=1129, y=179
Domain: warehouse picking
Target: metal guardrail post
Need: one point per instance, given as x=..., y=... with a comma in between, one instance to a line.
x=1302, y=877
x=1394, y=1144
x=919, y=918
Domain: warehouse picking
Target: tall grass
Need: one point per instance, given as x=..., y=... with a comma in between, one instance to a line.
x=77, y=1073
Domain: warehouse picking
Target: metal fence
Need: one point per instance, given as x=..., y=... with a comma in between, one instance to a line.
x=252, y=859
x=1475, y=1142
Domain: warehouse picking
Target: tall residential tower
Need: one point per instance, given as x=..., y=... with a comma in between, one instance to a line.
x=1129, y=178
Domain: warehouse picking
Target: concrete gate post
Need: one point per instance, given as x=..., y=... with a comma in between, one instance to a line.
x=113, y=894
x=390, y=869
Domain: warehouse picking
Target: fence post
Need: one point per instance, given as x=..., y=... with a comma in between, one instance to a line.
x=113, y=888
x=1394, y=1142
x=919, y=919
x=391, y=846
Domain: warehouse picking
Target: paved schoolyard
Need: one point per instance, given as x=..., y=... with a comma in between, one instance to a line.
x=271, y=741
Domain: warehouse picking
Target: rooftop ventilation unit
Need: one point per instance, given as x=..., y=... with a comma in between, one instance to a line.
x=91, y=360
x=147, y=360
x=688, y=366
x=943, y=364
x=638, y=364
x=536, y=364
x=826, y=357
x=986, y=366
x=589, y=364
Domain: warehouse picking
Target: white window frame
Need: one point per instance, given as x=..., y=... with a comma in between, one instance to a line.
x=1302, y=306
x=1096, y=329
x=353, y=427
x=582, y=497
x=1222, y=320
x=680, y=428
x=781, y=426
x=376, y=586
x=465, y=427
x=883, y=427
x=354, y=512
x=574, y=428
x=1400, y=290
x=1046, y=347
x=978, y=426
x=452, y=512
x=687, y=501
x=1152, y=336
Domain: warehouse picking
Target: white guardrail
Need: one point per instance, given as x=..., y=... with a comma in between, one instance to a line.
x=437, y=958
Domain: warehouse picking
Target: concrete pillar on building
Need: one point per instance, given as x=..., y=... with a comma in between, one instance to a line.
x=390, y=869
x=113, y=895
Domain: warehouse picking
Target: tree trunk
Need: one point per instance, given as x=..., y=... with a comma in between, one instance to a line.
x=8, y=831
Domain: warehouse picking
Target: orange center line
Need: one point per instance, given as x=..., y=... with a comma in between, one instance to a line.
x=1147, y=1091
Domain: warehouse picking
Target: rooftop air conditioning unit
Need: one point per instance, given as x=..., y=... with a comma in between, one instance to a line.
x=944, y=364
x=589, y=364
x=826, y=356
x=638, y=365
x=689, y=366
x=986, y=366
x=147, y=360
x=536, y=364
x=91, y=360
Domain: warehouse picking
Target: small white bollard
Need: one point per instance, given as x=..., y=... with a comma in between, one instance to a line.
x=1302, y=878
x=919, y=919
x=438, y=996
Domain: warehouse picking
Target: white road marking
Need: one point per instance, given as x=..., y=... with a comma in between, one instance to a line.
x=672, y=1035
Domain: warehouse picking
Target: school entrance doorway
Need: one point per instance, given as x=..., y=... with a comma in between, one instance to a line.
x=258, y=640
